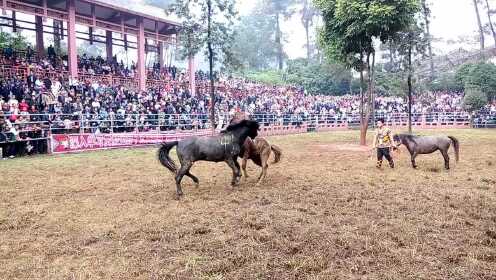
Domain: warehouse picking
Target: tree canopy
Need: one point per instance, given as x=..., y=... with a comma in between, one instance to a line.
x=254, y=43
x=350, y=29
x=481, y=75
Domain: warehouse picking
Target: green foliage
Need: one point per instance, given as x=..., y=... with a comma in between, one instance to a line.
x=15, y=40
x=481, y=75
x=327, y=78
x=199, y=29
x=254, y=45
x=447, y=82
x=390, y=83
x=270, y=77
x=350, y=26
x=278, y=9
x=474, y=99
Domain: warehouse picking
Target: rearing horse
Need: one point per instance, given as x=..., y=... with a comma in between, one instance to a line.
x=223, y=147
x=417, y=145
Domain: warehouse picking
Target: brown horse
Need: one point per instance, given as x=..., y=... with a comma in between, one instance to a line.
x=259, y=151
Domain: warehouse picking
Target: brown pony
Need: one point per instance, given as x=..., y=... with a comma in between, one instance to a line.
x=258, y=151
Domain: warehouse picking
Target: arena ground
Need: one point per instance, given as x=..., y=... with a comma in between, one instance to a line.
x=324, y=213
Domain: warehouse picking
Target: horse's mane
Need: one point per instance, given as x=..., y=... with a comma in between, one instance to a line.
x=407, y=136
x=244, y=123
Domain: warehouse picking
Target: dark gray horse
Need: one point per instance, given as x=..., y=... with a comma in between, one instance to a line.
x=417, y=145
x=223, y=147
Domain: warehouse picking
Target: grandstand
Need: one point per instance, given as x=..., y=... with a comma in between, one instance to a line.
x=46, y=94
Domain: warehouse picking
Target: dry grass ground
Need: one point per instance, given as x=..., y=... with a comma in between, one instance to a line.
x=324, y=213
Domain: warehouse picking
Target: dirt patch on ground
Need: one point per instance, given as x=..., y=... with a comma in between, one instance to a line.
x=339, y=147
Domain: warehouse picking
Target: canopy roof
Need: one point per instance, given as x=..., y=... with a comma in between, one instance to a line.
x=98, y=14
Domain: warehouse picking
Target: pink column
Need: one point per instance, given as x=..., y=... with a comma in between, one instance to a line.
x=141, y=55
x=71, y=39
x=40, y=48
x=108, y=45
x=191, y=68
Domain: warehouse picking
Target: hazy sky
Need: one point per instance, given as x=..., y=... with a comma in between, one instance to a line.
x=451, y=20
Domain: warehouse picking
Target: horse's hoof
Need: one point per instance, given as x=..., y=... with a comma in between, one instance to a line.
x=197, y=185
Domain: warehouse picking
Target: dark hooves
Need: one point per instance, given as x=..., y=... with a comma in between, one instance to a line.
x=178, y=196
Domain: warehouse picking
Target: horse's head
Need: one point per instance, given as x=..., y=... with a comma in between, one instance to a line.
x=397, y=141
x=253, y=128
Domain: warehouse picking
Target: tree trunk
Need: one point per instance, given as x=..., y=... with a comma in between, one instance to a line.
x=426, y=14
x=211, y=66
x=308, y=39
x=410, y=89
x=481, y=29
x=368, y=110
x=391, y=57
x=362, y=98
x=279, y=43
x=490, y=21
x=372, y=95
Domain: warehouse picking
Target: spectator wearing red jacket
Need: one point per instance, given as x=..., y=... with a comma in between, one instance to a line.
x=23, y=106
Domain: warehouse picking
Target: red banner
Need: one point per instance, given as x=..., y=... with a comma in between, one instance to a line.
x=65, y=143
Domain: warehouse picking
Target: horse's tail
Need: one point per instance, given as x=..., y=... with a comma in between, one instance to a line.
x=277, y=153
x=456, y=145
x=164, y=158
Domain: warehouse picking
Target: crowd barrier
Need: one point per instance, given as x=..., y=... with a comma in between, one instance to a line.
x=84, y=132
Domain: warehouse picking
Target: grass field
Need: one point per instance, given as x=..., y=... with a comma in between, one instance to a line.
x=325, y=212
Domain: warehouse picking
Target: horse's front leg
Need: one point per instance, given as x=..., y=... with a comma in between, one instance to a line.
x=243, y=165
x=414, y=164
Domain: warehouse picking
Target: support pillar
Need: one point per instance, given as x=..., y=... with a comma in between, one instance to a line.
x=191, y=70
x=14, y=22
x=57, y=34
x=161, y=54
x=40, y=47
x=108, y=45
x=71, y=39
x=90, y=35
x=141, y=55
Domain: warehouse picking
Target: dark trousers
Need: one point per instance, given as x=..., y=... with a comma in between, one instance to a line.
x=384, y=153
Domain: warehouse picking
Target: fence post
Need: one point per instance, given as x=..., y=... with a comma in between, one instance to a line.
x=49, y=137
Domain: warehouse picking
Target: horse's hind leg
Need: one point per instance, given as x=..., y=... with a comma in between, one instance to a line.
x=185, y=166
x=446, y=159
x=194, y=178
x=265, y=166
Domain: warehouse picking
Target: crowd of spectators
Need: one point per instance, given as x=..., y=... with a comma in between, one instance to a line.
x=30, y=106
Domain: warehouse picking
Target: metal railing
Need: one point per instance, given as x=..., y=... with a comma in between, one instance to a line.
x=132, y=122
x=36, y=130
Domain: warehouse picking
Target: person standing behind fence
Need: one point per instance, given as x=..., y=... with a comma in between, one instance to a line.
x=382, y=142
